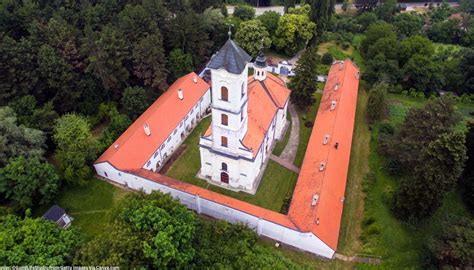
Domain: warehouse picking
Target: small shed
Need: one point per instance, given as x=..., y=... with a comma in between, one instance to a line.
x=59, y=216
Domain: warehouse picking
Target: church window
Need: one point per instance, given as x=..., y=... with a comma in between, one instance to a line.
x=242, y=90
x=224, y=166
x=224, y=119
x=224, y=141
x=224, y=93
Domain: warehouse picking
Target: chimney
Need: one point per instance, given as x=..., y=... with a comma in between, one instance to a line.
x=195, y=80
x=147, y=130
x=180, y=94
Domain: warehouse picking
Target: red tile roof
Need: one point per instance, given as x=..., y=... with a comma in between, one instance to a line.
x=134, y=147
x=330, y=183
x=264, y=99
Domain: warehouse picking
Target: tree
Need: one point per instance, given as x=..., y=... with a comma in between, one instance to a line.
x=422, y=74
x=304, y=83
x=18, y=75
x=365, y=19
x=106, y=60
x=467, y=181
x=321, y=12
x=36, y=241
x=327, y=58
x=116, y=123
x=452, y=248
x=293, y=32
x=377, y=103
x=244, y=12
x=467, y=6
x=150, y=62
x=288, y=4
x=387, y=10
x=18, y=140
x=438, y=169
x=134, y=101
x=116, y=245
x=441, y=13
x=180, y=63
x=448, y=31
x=408, y=24
x=60, y=79
x=415, y=45
x=76, y=147
x=165, y=226
x=439, y=116
x=27, y=182
x=375, y=32
x=270, y=21
x=467, y=67
x=252, y=36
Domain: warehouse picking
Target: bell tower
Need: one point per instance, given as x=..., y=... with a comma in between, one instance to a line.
x=260, y=67
x=229, y=70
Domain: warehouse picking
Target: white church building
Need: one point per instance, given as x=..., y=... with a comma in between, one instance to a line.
x=248, y=116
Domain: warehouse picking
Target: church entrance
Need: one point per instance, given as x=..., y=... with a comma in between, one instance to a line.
x=224, y=178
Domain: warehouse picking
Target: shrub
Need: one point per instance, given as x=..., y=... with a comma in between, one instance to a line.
x=244, y=12
x=327, y=59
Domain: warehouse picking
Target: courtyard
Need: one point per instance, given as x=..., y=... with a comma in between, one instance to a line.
x=276, y=187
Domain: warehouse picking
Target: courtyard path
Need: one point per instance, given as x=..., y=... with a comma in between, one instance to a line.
x=289, y=153
x=284, y=163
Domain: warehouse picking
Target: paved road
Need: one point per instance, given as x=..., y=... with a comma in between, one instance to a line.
x=289, y=153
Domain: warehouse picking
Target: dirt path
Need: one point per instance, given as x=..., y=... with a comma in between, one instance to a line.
x=289, y=153
x=289, y=165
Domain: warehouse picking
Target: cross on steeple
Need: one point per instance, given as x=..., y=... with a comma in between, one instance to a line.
x=230, y=29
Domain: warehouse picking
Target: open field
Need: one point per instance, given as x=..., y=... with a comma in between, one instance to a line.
x=275, y=189
x=89, y=205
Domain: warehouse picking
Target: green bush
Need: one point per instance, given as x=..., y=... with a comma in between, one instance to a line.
x=327, y=59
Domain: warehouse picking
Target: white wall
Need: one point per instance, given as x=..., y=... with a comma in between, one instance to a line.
x=305, y=241
x=177, y=136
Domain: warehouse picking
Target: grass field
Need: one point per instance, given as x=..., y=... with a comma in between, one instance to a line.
x=89, y=205
x=349, y=243
x=276, y=186
x=305, y=132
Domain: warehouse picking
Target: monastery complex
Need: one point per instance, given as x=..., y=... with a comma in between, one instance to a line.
x=248, y=117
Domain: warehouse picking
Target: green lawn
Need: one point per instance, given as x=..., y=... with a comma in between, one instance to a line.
x=280, y=145
x=399, y=244
x=305, y=132
x=89, y=205
x=275, y=188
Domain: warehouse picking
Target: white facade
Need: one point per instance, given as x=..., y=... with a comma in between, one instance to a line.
x=179, y=133
x=306, y=241
x=225, y=160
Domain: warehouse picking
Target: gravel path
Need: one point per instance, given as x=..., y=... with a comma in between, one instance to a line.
x=289, y=153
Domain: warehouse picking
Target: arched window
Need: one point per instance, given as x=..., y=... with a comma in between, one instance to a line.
x=224, y=166
x=224, y=93
x=224, y=119
x=224, y=178
x=242, y=90
x=224, y=141
x=241, y=116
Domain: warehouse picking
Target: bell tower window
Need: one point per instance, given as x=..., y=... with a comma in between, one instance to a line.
x=224, y=141
x=224, y=93
x=242, y=90
x=224, y=119
x=224, y=166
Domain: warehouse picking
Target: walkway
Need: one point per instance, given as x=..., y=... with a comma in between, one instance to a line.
x=359, y=259
x=284, y=163
x=289, y=153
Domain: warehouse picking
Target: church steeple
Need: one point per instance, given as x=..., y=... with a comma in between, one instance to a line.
x=260, y=67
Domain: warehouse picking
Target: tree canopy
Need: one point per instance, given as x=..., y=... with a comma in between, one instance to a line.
x=35, y=241
x=252, y=36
